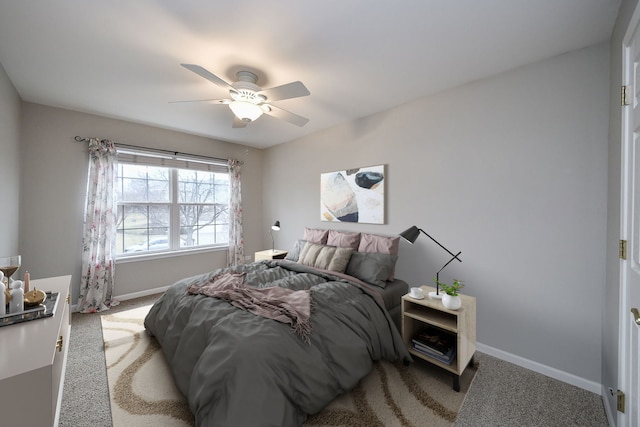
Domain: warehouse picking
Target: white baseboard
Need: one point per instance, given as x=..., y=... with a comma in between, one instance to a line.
x=542, y=369
x=141, y=293
x=74, y=307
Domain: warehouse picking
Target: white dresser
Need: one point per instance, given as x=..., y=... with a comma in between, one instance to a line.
x=33, y=356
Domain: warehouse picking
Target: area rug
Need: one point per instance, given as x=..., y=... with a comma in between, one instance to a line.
x=142, y=391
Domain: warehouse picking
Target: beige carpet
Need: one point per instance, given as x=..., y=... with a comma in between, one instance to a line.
x=142, y=392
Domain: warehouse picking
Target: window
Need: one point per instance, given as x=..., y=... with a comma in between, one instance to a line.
x=170, y=203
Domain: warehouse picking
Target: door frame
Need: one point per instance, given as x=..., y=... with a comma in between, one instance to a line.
x=626, y=221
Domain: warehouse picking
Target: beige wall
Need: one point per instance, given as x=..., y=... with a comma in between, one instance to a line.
x=9, y=166
x=510, y=170
x=54, y=179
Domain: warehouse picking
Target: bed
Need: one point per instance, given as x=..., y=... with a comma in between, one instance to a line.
x=239, y=368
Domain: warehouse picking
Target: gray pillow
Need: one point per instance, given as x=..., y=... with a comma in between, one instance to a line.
x=294, y=253
x=371, y=267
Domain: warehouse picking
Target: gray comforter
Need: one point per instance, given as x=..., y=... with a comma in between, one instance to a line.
x=239, y=369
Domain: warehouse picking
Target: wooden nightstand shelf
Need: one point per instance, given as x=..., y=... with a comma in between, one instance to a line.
x=417, y=314
x=270, y=254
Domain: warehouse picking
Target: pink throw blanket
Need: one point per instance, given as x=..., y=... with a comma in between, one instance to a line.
x=281, y=304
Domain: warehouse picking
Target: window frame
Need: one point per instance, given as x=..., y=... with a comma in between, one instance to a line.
x=173, y=161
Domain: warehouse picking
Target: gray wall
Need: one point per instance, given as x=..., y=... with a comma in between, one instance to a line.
x=512, y=171
x=9, y=167
x=610, y=342
x=54, y=179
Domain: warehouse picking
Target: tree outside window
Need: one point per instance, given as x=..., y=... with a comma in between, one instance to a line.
x=168, y=209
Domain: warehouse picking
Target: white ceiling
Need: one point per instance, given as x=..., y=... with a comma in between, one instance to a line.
x=121, y=58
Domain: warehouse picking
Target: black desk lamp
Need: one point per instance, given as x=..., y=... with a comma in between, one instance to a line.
x=411, y=235
x=274, y=227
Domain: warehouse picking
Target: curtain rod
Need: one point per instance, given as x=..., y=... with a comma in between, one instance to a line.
x=175, y=153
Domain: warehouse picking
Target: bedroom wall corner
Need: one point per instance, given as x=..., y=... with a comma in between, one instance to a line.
x=10, y=116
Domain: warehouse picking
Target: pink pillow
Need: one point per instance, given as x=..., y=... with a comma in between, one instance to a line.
x=316, y=235
x=343, y=239
x=380, y=244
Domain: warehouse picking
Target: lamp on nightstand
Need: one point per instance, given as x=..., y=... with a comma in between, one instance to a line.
x=411, y=234
x=274, y=227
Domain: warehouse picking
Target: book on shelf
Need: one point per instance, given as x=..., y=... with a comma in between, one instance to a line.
x=437, y=340
x=444, y=358
x=425, y=349
x=418, y=343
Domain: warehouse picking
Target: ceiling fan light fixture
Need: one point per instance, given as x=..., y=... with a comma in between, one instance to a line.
x=248, y=101
x=246, y=111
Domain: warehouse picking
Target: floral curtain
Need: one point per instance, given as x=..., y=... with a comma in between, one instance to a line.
x=236, y=241
x=99, y=239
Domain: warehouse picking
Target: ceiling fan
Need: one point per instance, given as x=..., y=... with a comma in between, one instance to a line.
x=249, y=101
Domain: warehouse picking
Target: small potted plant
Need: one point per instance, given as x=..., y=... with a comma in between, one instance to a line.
x=451, y=299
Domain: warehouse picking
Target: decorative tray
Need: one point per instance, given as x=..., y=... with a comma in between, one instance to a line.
x=40, y=311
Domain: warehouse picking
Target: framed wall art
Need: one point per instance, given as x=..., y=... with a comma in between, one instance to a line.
x=353, y=195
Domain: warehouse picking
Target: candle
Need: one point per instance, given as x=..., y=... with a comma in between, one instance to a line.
x=27, y=277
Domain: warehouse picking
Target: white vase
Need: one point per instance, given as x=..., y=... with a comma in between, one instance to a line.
x=451, y=302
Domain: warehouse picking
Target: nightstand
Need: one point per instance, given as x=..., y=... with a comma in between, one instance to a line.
x=270, y=254
x=418, y=314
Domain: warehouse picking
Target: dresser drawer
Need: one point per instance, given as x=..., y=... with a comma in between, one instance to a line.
x=32, y=364
x=60, y=354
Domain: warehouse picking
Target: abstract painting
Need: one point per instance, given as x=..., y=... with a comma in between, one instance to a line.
x=353, y=195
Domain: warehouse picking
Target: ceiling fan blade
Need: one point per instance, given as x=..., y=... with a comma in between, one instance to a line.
x=279, y=113
x=238, y=123
x=215, y=101
x=208, y=75
x=288, y=91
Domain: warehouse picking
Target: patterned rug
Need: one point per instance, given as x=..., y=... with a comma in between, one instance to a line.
x=142, y=392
